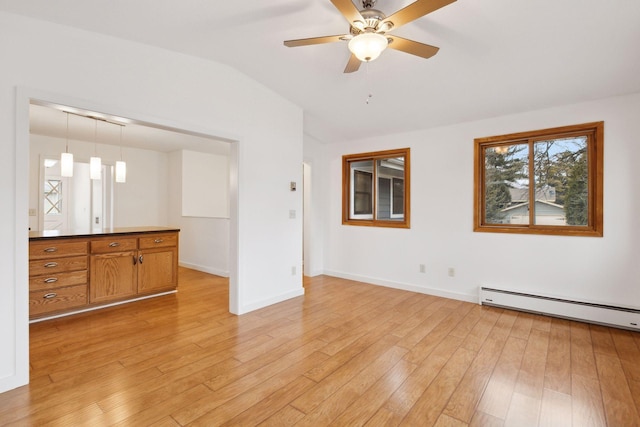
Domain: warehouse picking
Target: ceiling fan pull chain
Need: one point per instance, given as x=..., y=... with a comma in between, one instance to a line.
x=367, y=82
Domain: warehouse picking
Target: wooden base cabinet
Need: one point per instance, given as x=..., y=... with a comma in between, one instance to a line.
x=124, y=267
x=65, y=275
x=113, y=277
x=155, y=271
x=57, y=276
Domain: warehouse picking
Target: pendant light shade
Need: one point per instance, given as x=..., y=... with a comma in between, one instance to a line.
x=121, y=166
x=95, y=168
x=66, y=165
x=95, y=163
x=66, y=158
x=121, y=171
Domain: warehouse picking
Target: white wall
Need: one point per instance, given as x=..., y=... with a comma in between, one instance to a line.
x=205, y=185
x=204, y=242
x=603, y=269
x=108, y=75
x=314, y=206
x=142, y=200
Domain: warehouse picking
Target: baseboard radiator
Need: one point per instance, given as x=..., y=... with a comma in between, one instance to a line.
x=601, y=314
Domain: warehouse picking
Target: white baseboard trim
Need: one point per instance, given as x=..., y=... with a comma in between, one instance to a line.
x=13, y=381
x=404, y=286
x=204, y=269
x=270, y=301
x=315, y=273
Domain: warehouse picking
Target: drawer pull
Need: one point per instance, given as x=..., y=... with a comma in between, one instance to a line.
x=51, y=265
x=51, y=249
x=140, y=259
x=158, y=241
x=50, y=295
x=114, y=244
x=51, y=280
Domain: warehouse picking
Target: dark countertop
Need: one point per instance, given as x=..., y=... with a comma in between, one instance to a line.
x=52, y=234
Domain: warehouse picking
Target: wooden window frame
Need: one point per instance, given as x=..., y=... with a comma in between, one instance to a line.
x=595, y=150
x=346, y=188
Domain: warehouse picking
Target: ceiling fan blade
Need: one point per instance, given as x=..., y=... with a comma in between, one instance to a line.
x=352, y=65
x=348, y=10
x=414, y=11
x=412, y=47
x=314, y=40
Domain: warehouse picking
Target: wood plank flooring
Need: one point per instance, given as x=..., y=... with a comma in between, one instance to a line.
x=345, y=354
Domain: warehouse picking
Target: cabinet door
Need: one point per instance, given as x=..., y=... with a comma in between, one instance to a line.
x=157, y=269
x=113, y=276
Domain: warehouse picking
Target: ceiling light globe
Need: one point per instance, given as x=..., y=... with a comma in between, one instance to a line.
x=368, y=46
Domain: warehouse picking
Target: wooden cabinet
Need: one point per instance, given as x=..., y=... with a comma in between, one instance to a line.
x=57, y=276
x=68, y=274
x=113, y=269
x=157, y=263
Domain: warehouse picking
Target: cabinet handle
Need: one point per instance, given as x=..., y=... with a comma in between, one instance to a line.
x=140, y=259
x=51, y=280
x=158, y=241
x=52, y=249
x=135, y=260
x=51, y=265
x=50, y=295
x=114, y=244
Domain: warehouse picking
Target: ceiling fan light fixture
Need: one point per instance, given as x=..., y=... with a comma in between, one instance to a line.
x=368, y=46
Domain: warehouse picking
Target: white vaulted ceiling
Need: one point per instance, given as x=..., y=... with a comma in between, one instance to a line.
x=496, y=56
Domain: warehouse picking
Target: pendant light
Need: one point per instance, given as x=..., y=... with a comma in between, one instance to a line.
x=121, y=166
x=66, y=158
x=95, y=163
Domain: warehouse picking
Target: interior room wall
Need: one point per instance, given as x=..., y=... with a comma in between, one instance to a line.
x=204, y=242
x=113, y=76
x=141, y=201
x=314, y=207
x=603, y=270
x=205, y=185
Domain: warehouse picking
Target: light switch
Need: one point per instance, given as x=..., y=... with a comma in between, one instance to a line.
x=293, y=186
x=292, y=214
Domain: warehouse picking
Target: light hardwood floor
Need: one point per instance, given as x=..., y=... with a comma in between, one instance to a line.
x=346, y=353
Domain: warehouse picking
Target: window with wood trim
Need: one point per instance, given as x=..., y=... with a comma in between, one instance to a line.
x=540, y=182
x=375, y=189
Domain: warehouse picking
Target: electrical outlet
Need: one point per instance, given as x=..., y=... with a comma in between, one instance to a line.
x=293, y=270
x=452, y=272
x=292, y=214
x=422, y=268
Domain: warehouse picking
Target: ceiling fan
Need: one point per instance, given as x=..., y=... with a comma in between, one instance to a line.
x=368, y=30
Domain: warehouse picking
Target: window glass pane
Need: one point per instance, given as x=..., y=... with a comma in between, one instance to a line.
x=362, y=190
x=506, y=178
x=52, y=197
x=561, y=181
x=390, y=194
x=398, y=197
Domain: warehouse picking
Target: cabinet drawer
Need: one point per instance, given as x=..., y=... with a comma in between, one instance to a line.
x=114, y=244
x=158, y=241
x=46, y=301
x=38, y=283
x=56, y=248
x=57, y=265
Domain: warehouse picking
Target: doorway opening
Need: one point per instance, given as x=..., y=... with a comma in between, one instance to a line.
x=26, y=98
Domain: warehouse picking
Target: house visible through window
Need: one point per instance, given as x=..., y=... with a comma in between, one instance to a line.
x=540, y=182
x=376, y=189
